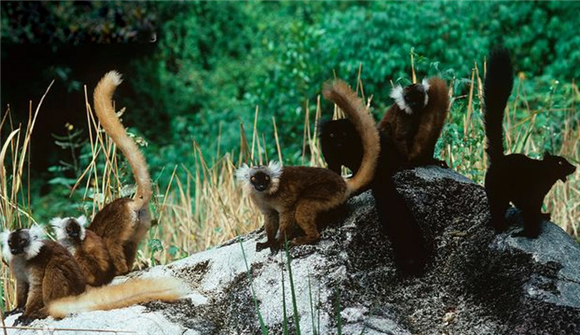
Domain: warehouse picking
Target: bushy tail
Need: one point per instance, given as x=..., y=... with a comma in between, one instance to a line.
x=103, y=97
x=131, y=292
x=338, y=92
x=498, y=86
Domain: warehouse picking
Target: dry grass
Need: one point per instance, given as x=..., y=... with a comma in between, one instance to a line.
x=203, y=206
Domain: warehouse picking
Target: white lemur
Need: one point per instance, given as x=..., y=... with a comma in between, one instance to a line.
x=87, y=248
x=516, y=177
x=50, y=282
x=297, y=194
x=123, y=223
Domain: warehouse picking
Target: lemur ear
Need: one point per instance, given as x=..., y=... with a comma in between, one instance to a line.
x=82, y=220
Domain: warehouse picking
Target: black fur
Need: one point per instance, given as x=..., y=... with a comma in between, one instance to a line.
x=516, y=177
x=397, y=221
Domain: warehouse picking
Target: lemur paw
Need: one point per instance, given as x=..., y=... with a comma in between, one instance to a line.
x=23, y=321
x=14, y=311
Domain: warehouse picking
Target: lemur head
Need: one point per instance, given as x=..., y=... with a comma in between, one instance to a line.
x=559, y=167
x=26, y=242
x=339, y=134
x=260, y=178
x=70, y=228
x=412, y=98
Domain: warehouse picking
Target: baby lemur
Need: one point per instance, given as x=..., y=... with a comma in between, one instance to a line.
x=122, y=224
x=297, y=194
x=50, y=282
x=87, y=248
x=516, y=177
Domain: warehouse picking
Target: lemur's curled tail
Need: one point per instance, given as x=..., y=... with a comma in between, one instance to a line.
x=338, y=92
x=131, y=292
x=497, y=89
x=103, y=97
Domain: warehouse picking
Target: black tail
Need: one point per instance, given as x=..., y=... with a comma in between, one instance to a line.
x=498, y=86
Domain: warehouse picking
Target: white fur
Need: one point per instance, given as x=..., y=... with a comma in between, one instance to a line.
x=275, y=169
x=426, y=86
x=36, y=236
x=6, y=254
x=114, y=76
x=397, y=94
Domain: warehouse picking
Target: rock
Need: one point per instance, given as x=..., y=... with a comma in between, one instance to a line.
x=477, y=282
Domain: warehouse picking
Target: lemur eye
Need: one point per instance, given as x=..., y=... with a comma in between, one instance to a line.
x=560, y=163
x=331, y=134
x=267, y=178
x=253, y=178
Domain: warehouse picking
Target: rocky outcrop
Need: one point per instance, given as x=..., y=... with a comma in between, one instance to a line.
x=476, y=282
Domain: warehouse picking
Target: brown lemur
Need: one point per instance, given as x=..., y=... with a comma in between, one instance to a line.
x=50, y=282
x=87, y=248
x=409, y=130
x=515, y=177
x=296, y=194
x=123, y=223
x=408, y=134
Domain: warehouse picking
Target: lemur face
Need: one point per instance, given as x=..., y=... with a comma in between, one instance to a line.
x=260, y=180
x=73, y=228
x=560, y=166
x=338, y=133
x=414, y=96
x=18, y=241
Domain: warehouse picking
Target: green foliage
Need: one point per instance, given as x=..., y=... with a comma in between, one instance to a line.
x=68, y=22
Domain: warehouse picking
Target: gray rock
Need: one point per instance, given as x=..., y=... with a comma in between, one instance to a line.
x=477, y=282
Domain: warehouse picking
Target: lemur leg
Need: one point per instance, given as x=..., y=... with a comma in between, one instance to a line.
x=306, y=213
x=271, y=223
x=287, y=221
x=34, y=304
x=498, y=207
x=117, y=256
x=532, y=221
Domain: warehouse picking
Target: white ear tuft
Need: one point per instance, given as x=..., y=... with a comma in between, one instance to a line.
x=6, y=254
x=56, y=222
x=275, y=169
x=82, y=220
x=425, y=84
x=397, y=94
x=242, y=172
x=36, y=232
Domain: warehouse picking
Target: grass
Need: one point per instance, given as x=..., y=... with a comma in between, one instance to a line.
x=202, y=206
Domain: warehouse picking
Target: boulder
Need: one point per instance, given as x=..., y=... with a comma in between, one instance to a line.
x=477, y=282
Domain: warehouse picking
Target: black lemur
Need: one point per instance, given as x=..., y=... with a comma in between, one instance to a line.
x=515, y=177
x=341, y=145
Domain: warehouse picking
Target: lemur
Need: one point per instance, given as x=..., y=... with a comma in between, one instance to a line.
x=50, y=282
x=515, y=177
x=123, y=223
x=409, y=130
x=408, y=134
x=296, y=194
x=87, y=248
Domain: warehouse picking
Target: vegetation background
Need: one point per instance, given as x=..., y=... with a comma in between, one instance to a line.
x=195, y=71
